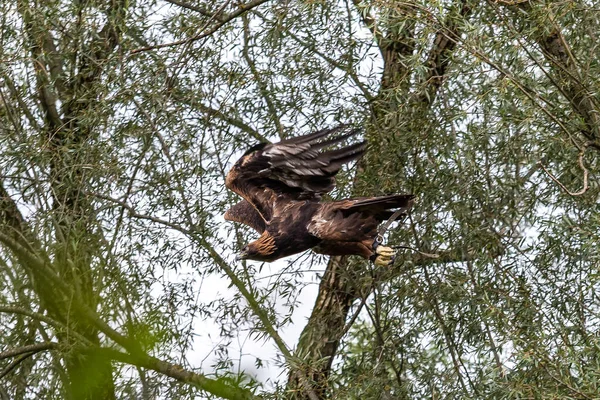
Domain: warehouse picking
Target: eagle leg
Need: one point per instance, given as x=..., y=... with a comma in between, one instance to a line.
x=384, y=256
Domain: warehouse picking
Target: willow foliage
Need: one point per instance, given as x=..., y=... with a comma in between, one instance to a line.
x=119, y=120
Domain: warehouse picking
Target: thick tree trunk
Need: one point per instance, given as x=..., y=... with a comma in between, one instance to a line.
x=344, y=282
x=319, y=341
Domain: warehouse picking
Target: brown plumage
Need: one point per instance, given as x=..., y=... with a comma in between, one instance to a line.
x=282, y=184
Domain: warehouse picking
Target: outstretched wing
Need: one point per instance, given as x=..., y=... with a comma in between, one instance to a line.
x=244, y=213
x=296, y=168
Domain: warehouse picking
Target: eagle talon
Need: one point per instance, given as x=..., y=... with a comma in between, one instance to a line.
x=385, y=256
x=385, y=251
x=383, y=261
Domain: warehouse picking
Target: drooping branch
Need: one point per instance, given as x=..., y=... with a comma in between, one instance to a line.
x=206, y=31
x=32, y=348
x=233, y=121
x=92, y=63
x=263, y=89
x=46, y=90
x=136, y=357
x=585, y=175
x=195, y=8
x=218, y=387
x=23, y=353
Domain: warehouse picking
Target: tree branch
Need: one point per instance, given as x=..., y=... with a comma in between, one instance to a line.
x=15, y=94
x=197, y=9
x=32, y=348
x=8, y=309
x=217, y=387
x=439, y=54
x=46, y=93
x=344, y=68
x=14, y=364
x=242, y=8
x=238, y=123
x=263, y=89
x=583, y=168
x=22, y=354
x=558, y=53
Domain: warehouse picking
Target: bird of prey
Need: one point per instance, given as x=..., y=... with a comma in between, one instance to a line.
x=282, y=184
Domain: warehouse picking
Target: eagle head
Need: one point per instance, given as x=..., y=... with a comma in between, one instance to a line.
x=261, y=249
x=243, y=254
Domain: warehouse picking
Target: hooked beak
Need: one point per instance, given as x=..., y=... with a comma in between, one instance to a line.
x=242, y=255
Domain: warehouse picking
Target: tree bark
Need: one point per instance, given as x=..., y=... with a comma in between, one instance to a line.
x=568, y=78
x=341, y=284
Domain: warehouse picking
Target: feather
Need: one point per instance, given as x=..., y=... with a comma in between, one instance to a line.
x=246, y=214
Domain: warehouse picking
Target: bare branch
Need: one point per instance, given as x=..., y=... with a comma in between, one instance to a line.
x=439, y=59
x=262, y=86
x=242, y=8
x=583, y=168
x=33, y=348
x=197, y=9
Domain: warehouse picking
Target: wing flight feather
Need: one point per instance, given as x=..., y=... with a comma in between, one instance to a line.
x=296, y=168
x=246, y=214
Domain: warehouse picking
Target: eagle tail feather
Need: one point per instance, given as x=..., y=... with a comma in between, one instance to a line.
x=337, y=158
x=335, y=140
x=382, y=207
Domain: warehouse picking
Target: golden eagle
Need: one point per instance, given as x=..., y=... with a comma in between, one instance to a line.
x=282, y=184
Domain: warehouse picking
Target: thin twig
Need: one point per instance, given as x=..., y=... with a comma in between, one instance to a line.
x=15, y=363
x=197, y=9
x=581, y=165
x=242, y=8
x=511, y=2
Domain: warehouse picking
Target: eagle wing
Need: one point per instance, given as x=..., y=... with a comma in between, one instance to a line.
x=297, y=168
x=246, y=214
